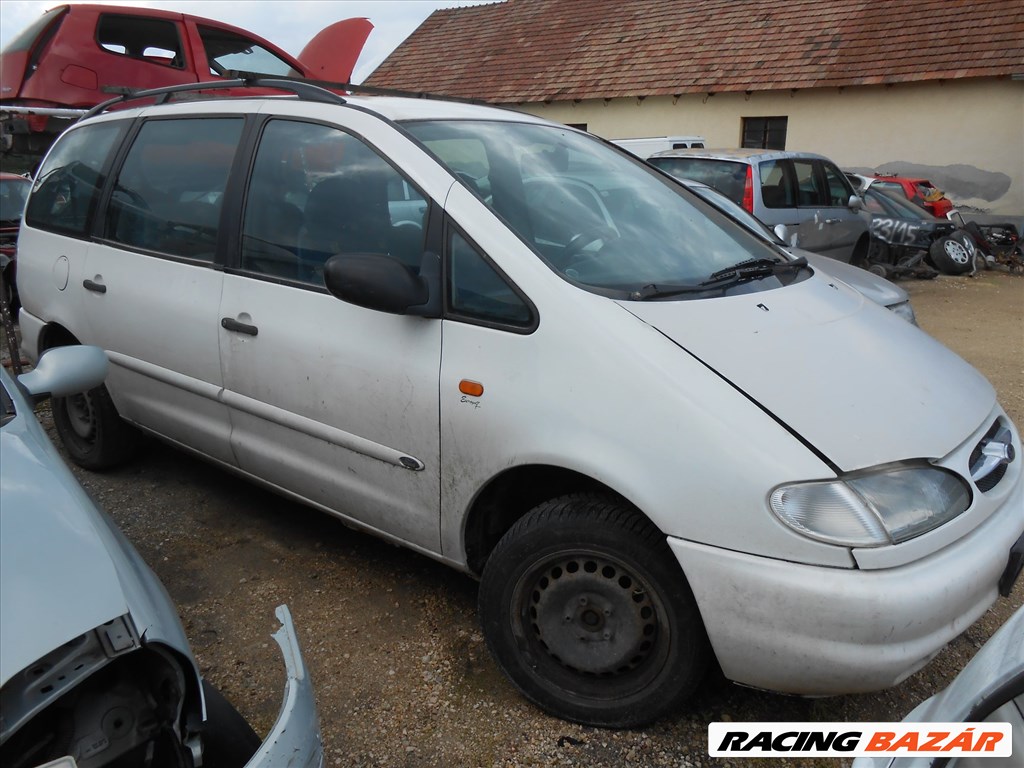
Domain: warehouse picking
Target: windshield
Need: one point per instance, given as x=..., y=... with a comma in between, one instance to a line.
x=893, y=204
x=596, y=216
x=13, y=194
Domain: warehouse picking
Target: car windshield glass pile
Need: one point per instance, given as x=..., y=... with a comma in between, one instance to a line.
x=597, y=217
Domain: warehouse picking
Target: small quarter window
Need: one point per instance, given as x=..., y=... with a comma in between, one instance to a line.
x=168, y=195
x=477, y=291
x=69, y=182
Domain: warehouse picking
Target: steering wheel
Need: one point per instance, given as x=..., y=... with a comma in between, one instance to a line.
x=575, y=248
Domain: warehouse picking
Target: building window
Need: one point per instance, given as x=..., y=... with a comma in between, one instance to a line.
x=764, y=132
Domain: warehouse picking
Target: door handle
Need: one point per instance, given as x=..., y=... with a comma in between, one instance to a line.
x=92, y=285
x=832, y=221
x=230, y=324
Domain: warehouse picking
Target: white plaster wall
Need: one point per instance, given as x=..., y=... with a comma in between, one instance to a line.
x=964, y=130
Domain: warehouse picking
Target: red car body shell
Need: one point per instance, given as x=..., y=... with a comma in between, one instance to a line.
x=60, y=62
x=911, y=189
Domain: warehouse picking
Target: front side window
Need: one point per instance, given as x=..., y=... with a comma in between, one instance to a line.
x=69, y=182
x=839, y=189
x=168, y=195
x=154, y=40
x=227, y=52
x=595, y=216
x=317, y=191
x=809, y=192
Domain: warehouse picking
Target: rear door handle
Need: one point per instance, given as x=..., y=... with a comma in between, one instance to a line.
x=832, y=221
x=92, y=285
x=229, y=323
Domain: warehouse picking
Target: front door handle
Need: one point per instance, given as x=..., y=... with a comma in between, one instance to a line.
x=832, y=221
x=92, y=285
x=229, y=323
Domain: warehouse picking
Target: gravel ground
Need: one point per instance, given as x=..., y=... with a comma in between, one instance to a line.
x=402, y=675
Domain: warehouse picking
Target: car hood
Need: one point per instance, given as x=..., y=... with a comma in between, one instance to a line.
x=57, y=577
x=881, y=291
x=856, y=382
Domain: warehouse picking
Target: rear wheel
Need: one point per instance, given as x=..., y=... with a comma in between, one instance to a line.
x=587, y=611
x=92, y=431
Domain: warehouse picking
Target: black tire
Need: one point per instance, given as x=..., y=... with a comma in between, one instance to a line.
x=228, y=739
x=92, y=431
x=951, y=255
x=575, y=573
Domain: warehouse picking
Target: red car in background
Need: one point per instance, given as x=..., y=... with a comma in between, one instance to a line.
x=918, y=191
x=73, y=55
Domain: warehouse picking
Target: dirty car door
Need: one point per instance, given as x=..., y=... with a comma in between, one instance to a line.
x=330, y=401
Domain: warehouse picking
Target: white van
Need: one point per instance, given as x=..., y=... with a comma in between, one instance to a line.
x=656, y=438
x=644, y=148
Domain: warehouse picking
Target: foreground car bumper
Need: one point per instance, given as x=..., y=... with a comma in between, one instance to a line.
x=295, y=738
x=824, y=631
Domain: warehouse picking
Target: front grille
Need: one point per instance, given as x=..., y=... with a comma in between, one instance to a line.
x=991, y=456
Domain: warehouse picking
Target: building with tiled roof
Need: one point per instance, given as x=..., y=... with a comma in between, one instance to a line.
x=919, y=87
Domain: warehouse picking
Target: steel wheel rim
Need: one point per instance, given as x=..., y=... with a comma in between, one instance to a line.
x=956, y=252
x=591, y=624
x=81, y=417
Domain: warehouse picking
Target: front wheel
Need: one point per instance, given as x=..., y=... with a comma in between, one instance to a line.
x=92, y=431
x=952, y=255
x=586, y=610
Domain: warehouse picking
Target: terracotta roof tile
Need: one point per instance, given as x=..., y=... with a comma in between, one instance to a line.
x=556, y=50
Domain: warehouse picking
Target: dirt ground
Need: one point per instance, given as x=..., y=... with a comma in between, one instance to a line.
x=402, y=675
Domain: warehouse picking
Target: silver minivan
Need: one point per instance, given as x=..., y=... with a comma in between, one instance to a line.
x=654, y=436
x=804, y=191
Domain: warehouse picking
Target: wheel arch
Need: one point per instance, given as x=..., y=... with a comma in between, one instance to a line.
x=510, y=495
x=55, y=335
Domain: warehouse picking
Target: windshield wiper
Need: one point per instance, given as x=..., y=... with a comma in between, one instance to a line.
x=752, y=269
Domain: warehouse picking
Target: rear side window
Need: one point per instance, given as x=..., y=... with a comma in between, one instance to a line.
x=723, y=175
x=169, y=192
x=69, y=182
x=153, y=40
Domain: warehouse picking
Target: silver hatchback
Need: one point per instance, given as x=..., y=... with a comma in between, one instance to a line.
x=804, y=191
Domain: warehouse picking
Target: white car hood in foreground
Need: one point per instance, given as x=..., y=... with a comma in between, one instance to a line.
x=857, y=383
x=57, y=579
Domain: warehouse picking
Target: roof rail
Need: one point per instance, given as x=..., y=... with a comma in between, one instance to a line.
x=304, y=89
x=368, y=89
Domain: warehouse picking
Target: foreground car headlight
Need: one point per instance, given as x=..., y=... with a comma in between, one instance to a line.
x=904, y=310
x=872, y=509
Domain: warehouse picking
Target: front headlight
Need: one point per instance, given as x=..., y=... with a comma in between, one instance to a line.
x=872, y=509
x=904, y=310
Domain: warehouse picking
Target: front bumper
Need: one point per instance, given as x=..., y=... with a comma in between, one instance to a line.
x=818, y=631
x=295, y=738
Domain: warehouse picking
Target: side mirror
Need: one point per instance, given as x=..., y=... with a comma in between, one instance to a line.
x=855, y=203
x=64, y=371
x=376, y=281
